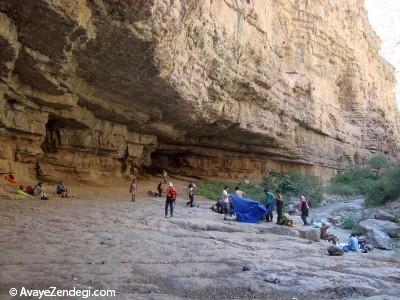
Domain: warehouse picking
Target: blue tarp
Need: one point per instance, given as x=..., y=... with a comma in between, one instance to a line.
x=248, y=211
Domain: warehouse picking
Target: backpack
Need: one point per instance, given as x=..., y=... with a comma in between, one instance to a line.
x=29, y=190
x=171, y=193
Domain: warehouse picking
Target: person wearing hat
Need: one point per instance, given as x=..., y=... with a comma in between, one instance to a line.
x=170, y=200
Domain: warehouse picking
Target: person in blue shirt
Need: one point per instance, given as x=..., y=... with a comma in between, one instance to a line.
x=270, y=204
x=353, y=242
x=61, y=190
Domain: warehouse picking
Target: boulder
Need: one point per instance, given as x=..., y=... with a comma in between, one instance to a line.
x=335, y=220
x=384, y=216
x=309, y=233
x=334, y=250
x=379, y=239
x=390, y=228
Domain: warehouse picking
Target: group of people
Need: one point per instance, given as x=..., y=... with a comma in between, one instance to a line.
x=36, y=190
x=224, y=206
x=170, y=193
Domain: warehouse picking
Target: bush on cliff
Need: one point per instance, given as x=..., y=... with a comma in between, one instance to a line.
x=385, y=188
x=378, y=181
x=354, y=182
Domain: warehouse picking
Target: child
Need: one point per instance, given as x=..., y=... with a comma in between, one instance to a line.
x=290, y=208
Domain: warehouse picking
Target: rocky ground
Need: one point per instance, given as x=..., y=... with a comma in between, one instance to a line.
x=130, y=247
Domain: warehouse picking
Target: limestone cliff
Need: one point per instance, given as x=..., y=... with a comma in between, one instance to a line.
x=206, y=86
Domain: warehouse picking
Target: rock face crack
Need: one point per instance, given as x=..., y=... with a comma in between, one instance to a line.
x=209, y=89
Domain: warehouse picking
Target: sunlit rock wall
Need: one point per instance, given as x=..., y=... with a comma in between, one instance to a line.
x=210, y=88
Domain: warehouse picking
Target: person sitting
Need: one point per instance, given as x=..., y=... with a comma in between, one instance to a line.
x=353, y=242
x=38, y=190
x=328, y=237
x=21, y=191
x=61, y=190
x=10, y=178
x=285, y=220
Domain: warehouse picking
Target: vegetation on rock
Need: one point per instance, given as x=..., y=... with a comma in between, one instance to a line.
x=378, y=181
x=351, y=223
x=292, y=184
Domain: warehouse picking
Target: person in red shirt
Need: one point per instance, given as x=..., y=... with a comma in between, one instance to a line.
x=170, y=200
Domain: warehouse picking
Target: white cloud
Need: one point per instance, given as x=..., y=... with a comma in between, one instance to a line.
x=384, y=16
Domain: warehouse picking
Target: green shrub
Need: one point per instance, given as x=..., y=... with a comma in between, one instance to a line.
x=294, y=183
x=357, y=181
x=386, y=188
x=378, y=163
x=350, y=223
x=212, y=189
x=270, y=183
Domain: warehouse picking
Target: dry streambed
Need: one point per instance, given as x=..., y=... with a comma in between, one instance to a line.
x=131, y=247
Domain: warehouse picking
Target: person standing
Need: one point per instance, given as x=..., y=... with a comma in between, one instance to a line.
x=165, y=176
x=279, y=206
x=304, y=209
x=326, y=236
x=160, y=189
x=133, y=188
x=269, y=205
x=191, y=191
x=290, y=208
x=171, y=194
x=239, y=193
x=225, y=199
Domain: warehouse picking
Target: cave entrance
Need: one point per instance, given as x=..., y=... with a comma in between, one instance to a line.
x=54, y=126
x=53, y=137
x=168, y=160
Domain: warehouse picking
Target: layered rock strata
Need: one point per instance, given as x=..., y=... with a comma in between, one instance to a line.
x=210, y=87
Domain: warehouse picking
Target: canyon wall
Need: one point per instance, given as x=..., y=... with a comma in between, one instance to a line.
x=200, y=87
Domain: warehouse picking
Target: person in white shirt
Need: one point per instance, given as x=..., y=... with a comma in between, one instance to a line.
x=239, y=193
x=225, y=198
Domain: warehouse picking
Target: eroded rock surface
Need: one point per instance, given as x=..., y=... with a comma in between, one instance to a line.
x=206, y=87
x=132, y=248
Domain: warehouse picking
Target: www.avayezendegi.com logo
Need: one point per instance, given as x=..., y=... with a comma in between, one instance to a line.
x=55, y=292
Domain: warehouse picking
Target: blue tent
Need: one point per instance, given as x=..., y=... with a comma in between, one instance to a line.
x=248, y=211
